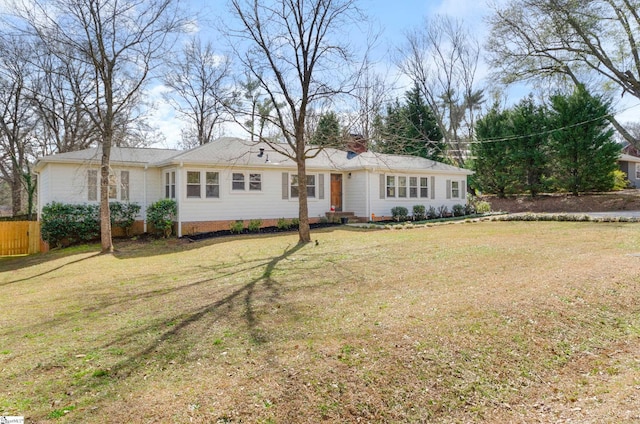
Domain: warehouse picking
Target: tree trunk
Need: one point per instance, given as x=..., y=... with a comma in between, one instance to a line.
x=16, y=194
x=105, y=214
x=304, y=231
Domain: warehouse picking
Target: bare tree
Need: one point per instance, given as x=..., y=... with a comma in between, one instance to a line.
x=591, y=42
x=199, y=80
x=442, y=57
x=121, y=42
x=294, y=49
x=17, y=120
x=62, y=91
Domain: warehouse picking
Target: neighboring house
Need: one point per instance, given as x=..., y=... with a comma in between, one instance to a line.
x=232, y=179
x=630, y=165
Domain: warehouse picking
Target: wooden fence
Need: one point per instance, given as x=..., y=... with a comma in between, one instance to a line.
x=19, y=237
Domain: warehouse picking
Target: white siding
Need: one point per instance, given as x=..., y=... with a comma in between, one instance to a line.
x=382, y=207
x=354, y=193
x=67, y=183
x=264, y=204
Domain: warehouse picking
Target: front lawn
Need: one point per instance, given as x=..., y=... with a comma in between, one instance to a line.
x=473, y=322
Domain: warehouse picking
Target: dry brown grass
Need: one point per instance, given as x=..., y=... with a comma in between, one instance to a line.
x=484, y=322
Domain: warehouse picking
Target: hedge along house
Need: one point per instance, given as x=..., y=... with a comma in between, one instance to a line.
x=233, y=179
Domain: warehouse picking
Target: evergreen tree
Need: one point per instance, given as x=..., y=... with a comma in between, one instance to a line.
x=411, y=129
x=583, y=147
x=530, y=146
x=328, y=131
x=493, y=162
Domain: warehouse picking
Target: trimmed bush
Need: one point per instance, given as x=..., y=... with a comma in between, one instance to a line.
x=123, y=215
x=161, y=215
x=419, y=212
x=399, y=213
x=254, y=225
x=237, y=226
x=68, y=223
x=458, y=210
x=442, y=211
x=432, y=213
x=482, y=207
x=283, y=224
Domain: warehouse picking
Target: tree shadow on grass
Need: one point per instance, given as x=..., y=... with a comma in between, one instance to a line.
x=243, y=295
x=38, y=261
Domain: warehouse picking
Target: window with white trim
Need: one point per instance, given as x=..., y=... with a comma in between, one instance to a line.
x=402, y=186
x=124, y=186
x=311, y=186
x=113, y=186
x=637, y=165
x=424, y=187
x=391, y=186
x=255, y=182
x=413, y=187
x=170, y=185
x=455, y=189
x=237, y=181
x=193, y=184
x=92, y=185
x=212, y=185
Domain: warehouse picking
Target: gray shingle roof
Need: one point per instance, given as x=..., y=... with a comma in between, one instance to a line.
x=230, y=151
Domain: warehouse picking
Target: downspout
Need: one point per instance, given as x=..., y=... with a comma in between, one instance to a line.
x=368, y=191
x=178, y=198
x=144, y=200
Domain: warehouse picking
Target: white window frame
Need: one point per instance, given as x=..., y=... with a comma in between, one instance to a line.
x=455, y=189
x=390, y=181
x=125, y=182
x=637, y=165
x=413, y=187
x=424, y=194
x=312, y=185
x=402, y=187
x=238, y=181
x=215, y=194
x=194, y=184
x=255, y=181
x=170, y=185
x=92, y=185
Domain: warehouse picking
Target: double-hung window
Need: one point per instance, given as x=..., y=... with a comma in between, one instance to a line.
x=212, y=185
x=424, y=187
x=311, y=186
x=92, y=185
x=193, y=184
x=391, y=186
x=402, y=186
x=455, y=189
x=237, y=181
x=413, y=187
x=255, y=182
x=170, y=185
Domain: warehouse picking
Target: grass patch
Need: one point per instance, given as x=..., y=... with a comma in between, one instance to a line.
x=487, y=322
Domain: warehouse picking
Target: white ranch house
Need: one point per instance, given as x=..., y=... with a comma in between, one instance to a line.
x=233, y=179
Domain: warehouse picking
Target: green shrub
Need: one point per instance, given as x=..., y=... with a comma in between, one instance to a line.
x=161, y=215
x=70, y=223
x=482, y=207
x=123, y=215
x=283, y=224
x=295, y=222
x=457, y=210
x=399, y=213
x=620, y=181
x=432, y=213
x=254, y=225
x=469, y=209
x=419, y=212
x=237, y=226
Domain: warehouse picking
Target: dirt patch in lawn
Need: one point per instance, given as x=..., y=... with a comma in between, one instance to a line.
x=625, y=200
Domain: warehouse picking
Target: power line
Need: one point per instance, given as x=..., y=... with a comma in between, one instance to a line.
x=520, y=137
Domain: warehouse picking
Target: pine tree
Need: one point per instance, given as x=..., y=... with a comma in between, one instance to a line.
x=583, y=147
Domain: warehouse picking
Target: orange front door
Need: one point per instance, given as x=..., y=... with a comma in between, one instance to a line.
x=336, y=191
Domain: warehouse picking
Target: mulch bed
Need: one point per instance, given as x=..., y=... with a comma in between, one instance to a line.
x=264, y=230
